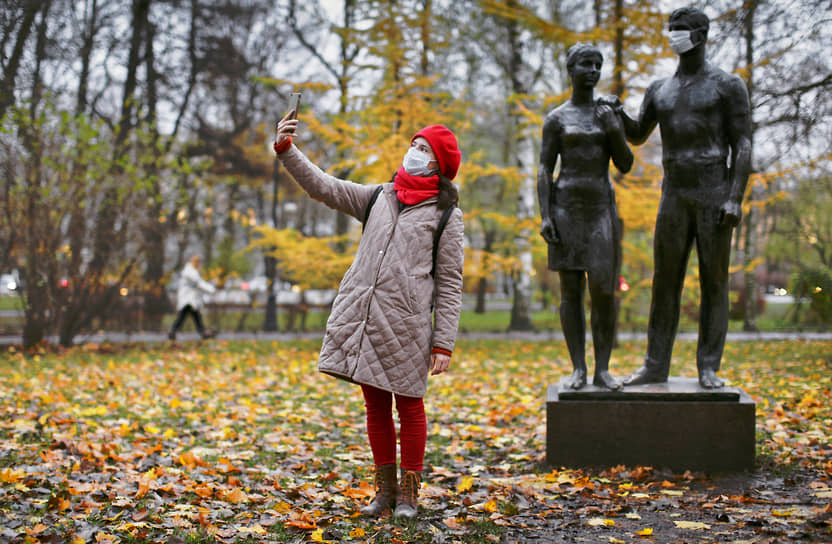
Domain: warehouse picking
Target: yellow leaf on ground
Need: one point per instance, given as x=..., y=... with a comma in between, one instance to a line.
x=452, y=523
x=235, y=496
x=465, y=485
x=614, y=540
x=647, y=531
x=36, y=530
x=695, y=525
x=11, y=476
x=255, y=529
x=363, y=490
x=301, y=520
x=204, y=490
x=356, y=532
x=600, y=522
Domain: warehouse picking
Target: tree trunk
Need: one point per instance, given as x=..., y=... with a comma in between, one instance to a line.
x=482, y=284
x=106, y=237
x=156, y=302
x=270, y=323
x=7, y=84
x=521, y=319
x=38, y=308
x=750, y=280
x=521, y=278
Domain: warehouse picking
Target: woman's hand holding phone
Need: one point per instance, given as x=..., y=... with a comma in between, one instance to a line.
x=287, y=127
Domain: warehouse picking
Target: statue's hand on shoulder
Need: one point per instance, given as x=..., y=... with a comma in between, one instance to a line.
x=609, y=119
x=730, y=214
x=611, y=101
x=548, y=231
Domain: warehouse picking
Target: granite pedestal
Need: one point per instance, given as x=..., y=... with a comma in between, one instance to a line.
x=677, y=425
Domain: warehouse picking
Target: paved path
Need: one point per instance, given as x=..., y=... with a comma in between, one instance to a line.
x=149, y=337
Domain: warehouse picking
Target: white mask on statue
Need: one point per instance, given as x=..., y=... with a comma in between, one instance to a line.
x=416, y=163
x=680, y=41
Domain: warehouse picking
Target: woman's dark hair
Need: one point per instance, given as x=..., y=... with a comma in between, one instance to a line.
x=448, y=194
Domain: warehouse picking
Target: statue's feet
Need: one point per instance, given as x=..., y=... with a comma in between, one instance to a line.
x=644, y=375
x=709, y=380
x=605, y=379
x=578, y=379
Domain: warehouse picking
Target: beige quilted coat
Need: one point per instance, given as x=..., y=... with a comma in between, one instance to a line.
x=380, y=331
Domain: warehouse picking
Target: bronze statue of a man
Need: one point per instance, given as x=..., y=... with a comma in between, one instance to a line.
x=704, y=116
x=578, y=211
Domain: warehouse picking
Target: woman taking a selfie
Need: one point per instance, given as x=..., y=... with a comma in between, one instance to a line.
x=394, y=320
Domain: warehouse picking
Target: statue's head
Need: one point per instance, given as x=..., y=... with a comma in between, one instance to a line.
x=583, y=63
x=688, y=29
x=578, y=51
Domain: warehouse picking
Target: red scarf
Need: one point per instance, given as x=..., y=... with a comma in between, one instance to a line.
x=414, y=189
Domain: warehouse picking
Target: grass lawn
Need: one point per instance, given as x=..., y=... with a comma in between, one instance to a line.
x=247, y=442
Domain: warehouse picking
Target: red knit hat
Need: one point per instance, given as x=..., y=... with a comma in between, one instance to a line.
x=444, y=145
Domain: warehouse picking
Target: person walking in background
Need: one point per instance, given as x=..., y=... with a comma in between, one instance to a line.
x=395, y=318
x=190, y=298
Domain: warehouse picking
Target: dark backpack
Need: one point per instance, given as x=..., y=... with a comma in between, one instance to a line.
x=436, y=235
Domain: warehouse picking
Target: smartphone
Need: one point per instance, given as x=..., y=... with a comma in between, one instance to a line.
x=294, y=104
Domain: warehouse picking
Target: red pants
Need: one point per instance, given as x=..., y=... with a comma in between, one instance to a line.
x=382, y=431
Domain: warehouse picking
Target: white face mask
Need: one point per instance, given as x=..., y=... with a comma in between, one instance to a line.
x=416, y=163
x=680, y=41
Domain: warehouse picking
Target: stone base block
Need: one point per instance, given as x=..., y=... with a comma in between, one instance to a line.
x=677, y=425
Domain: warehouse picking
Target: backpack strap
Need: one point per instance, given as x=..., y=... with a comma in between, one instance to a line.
x=370, y=206
x=446, y=215
x=438, y=234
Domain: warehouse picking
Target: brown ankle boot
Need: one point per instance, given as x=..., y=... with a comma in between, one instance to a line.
x=385, y=482
x=408, y=499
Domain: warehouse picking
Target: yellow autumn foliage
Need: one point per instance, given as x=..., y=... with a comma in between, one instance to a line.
x=308, y=262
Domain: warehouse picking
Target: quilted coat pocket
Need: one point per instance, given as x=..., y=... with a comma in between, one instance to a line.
x=420, y=288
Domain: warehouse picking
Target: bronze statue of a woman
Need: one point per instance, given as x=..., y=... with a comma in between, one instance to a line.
x=578, y=211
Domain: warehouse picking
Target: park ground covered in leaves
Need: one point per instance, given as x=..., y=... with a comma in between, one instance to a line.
x=247, y=442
